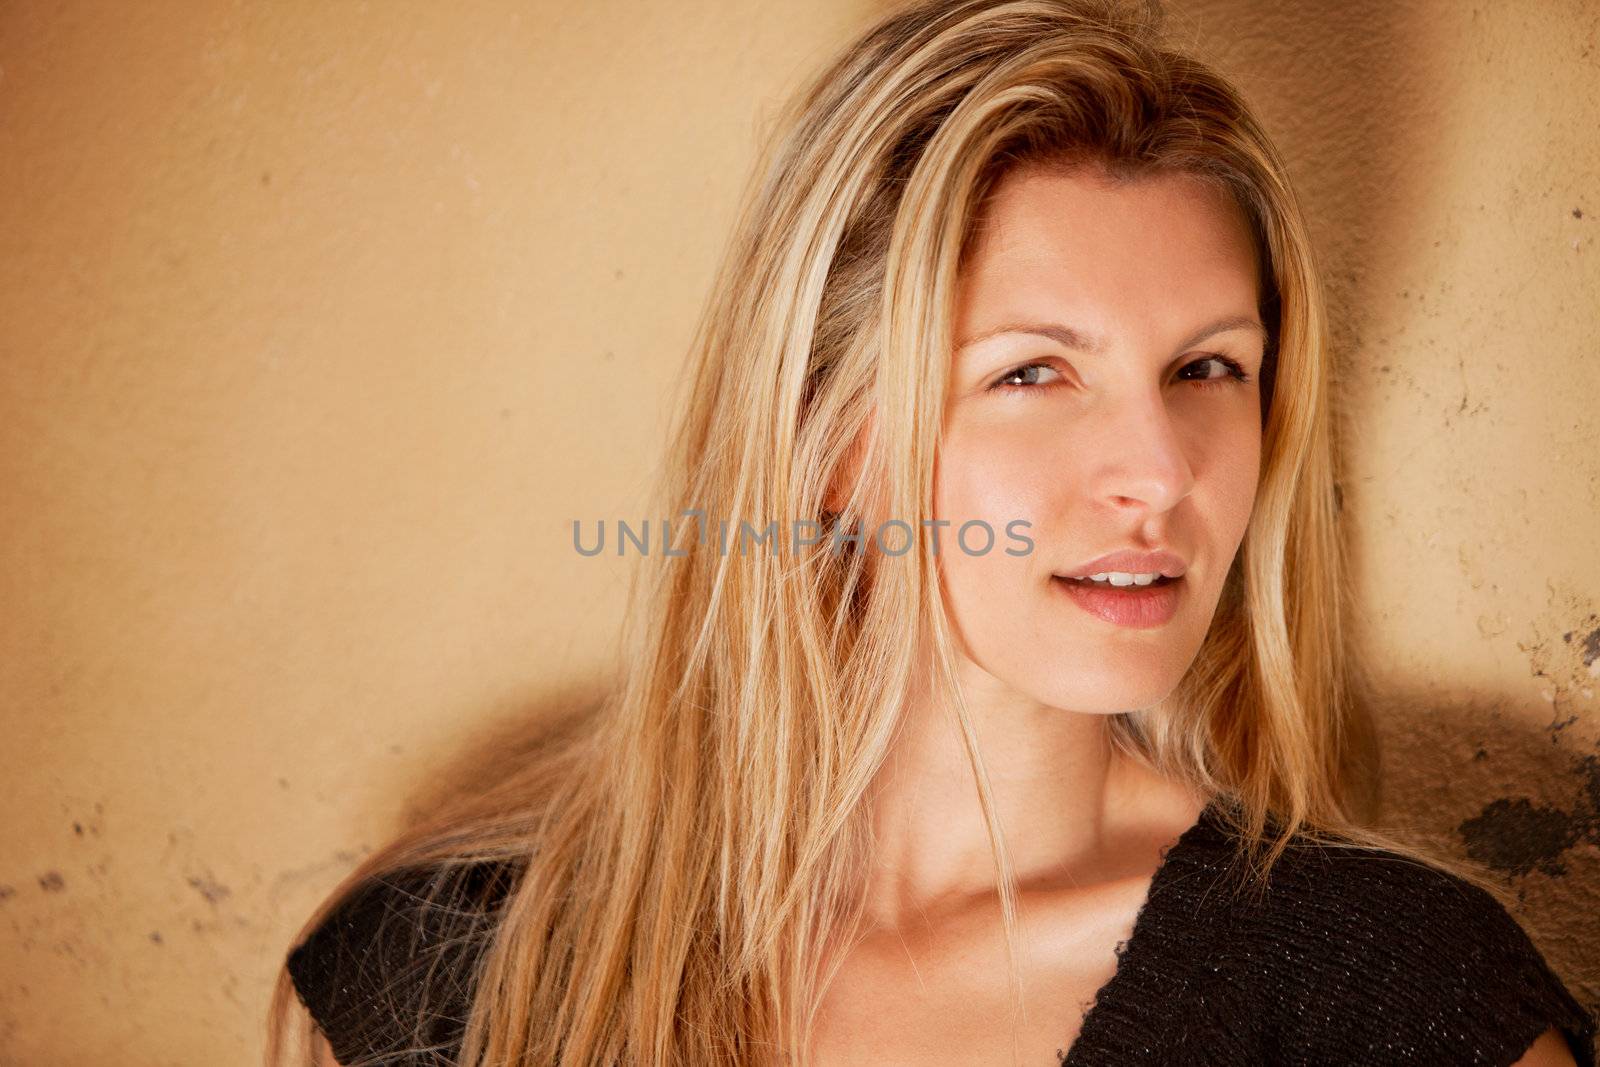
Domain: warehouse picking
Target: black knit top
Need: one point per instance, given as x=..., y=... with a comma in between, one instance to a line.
x=1349, y=958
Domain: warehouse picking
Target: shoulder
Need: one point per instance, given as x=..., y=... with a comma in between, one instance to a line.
x=389, y=971
x=1382, y=957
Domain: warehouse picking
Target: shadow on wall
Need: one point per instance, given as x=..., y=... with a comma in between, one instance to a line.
x=497, y=748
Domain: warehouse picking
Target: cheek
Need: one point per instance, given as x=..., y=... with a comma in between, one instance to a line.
x=1238, y=472
x=996, y=474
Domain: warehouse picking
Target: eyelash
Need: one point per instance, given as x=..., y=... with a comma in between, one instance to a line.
x=1236, y=374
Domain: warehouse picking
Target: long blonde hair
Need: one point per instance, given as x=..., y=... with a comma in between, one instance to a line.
x=693, y=847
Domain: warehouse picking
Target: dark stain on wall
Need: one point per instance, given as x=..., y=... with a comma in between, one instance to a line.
x=1515, y=835
x=1588, y=645
x=209, y=887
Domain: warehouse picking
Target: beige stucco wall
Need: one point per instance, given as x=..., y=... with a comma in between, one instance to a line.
x=320, y=322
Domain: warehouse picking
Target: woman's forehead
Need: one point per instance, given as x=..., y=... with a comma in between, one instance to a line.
x=1035, y=215
x=1072, y=247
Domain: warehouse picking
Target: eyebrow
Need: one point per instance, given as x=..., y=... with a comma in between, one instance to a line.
x=1068, y=337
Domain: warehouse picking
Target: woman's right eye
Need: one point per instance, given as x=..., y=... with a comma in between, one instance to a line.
x=1026, y=377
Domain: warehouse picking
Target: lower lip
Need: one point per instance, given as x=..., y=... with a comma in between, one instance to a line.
x=1139, y=607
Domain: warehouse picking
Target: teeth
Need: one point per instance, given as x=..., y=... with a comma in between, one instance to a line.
x=1119, y=578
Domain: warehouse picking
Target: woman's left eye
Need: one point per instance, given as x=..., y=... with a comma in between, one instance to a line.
x=1232, y=371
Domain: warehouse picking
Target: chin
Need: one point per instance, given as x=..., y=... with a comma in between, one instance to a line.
x=1113, y=696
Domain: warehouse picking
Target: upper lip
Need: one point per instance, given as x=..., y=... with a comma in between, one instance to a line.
x=1132, y=561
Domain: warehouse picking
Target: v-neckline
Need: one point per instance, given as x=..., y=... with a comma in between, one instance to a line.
x=1134, y=943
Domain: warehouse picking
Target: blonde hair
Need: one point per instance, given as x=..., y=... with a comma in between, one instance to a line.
x=693, y=848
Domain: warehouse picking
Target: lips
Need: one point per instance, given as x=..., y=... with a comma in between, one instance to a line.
x=1139, y=607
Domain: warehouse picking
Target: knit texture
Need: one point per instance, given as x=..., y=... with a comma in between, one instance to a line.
x=1352, y=957
x=1349, y=958
x=388, y=975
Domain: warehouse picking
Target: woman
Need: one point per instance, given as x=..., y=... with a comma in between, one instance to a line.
x=1040, y=745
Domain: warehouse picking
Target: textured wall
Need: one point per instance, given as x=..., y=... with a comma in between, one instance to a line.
x=1449, y=155
x=320, y=322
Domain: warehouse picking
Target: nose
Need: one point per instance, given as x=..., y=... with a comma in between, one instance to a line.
x=1142, y=465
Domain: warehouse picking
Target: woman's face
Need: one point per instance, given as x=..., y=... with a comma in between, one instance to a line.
x=1092, y=397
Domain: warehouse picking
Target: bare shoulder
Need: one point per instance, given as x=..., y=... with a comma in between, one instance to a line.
x=1550, y=1049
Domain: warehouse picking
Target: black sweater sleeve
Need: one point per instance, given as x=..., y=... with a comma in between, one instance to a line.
x=388, y=976
x=1396, y=962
